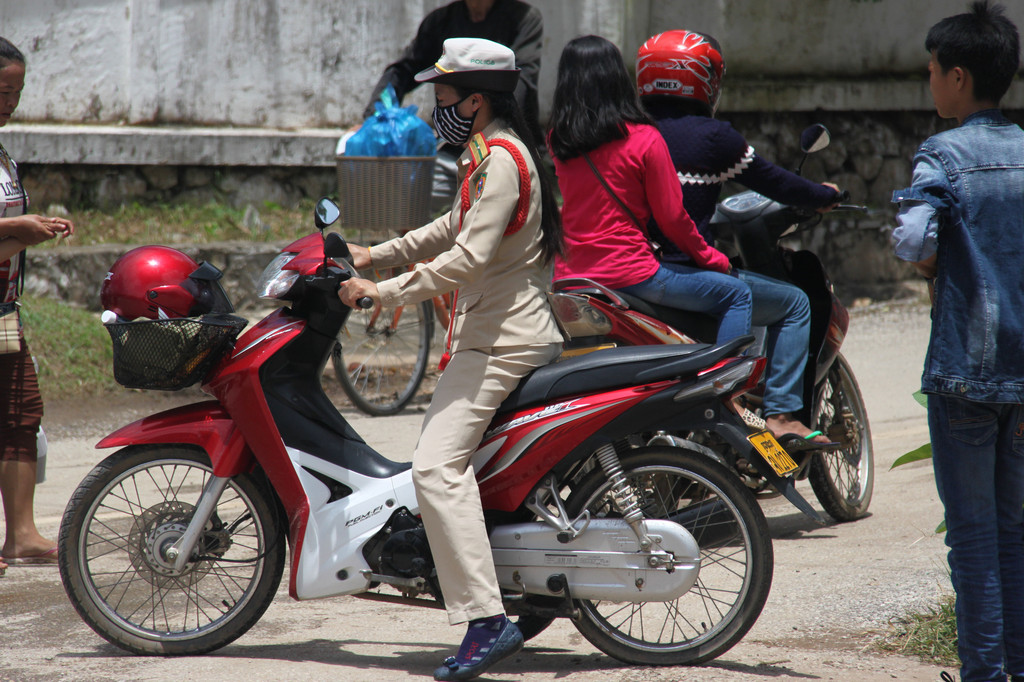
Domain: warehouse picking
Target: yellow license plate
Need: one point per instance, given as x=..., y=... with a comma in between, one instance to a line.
x=764, y=442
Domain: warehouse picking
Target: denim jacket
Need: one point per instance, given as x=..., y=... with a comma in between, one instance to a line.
x=966, y=204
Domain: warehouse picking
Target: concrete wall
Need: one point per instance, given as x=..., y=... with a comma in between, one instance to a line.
x=310, y=63
x=149, y=99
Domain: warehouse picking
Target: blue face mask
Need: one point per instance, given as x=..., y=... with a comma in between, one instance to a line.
x=453, y=128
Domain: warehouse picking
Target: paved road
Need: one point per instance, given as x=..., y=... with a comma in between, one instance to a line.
x=835, y=588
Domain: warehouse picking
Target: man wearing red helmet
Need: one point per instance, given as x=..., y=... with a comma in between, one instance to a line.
x=679, y=77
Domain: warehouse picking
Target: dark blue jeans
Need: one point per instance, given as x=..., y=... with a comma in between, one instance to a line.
x=688, y=288
x=784, y=310
x=978, y=454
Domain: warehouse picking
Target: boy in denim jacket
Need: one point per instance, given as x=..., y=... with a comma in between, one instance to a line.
x=961, y=223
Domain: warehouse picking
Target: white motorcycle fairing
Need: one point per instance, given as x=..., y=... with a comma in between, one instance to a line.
x=332, y=561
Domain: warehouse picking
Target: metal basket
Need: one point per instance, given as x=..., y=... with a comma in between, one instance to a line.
x=169, y=355
x=378, y=194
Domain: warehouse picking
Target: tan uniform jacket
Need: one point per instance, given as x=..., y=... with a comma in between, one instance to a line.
x=502, y=279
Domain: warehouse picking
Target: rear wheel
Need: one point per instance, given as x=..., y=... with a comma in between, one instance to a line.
x=382, y=353
x=735, y=550
x=115, y=569
x=843, y=479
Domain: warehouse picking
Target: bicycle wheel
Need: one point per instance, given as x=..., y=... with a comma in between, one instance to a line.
x=735, y=553
x=125, y=514
x=382, y=353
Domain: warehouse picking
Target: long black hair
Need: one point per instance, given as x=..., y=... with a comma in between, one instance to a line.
x=9, y=53
x=505, y=107
x=594, y=98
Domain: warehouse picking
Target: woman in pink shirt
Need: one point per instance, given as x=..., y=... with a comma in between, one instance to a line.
x=598, y=128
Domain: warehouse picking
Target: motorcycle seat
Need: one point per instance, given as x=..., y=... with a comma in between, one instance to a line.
x=605, y=370
x=695, y=325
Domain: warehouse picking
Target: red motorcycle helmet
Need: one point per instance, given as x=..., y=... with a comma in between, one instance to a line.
x=683, y=64
x=158, y=282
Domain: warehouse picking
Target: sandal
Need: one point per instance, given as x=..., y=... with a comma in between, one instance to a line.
x=796, y=443
x=47, y=558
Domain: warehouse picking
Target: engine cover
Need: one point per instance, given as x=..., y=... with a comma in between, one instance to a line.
x=605, y=562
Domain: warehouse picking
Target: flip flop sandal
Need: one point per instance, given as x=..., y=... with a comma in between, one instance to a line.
x=47, y=558
x=795, y=443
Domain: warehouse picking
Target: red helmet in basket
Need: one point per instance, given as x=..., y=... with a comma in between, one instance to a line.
x=682, y=64
x=158, y=282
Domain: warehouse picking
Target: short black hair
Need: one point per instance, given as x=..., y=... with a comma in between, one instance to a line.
x=9, y=53
x=984, y=42
x=594, y=98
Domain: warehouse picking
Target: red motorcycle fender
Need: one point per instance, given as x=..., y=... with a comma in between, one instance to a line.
x=205, y=424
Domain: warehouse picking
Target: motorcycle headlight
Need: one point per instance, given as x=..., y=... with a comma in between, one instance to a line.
x=276, y=282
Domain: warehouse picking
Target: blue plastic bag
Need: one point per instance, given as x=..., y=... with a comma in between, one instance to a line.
x=392, y=131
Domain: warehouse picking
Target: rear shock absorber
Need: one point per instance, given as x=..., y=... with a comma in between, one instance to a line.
x=622, y=493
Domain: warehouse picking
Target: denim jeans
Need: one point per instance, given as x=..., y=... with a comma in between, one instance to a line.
x=688, y=288
x=978, y=454
x=784, y=309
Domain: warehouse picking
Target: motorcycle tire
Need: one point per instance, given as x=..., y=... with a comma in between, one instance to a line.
x=843, y=480
x=737, y=560
x=140, y=500
x=381, y=355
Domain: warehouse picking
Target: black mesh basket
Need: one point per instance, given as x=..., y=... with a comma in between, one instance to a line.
x=169, y=355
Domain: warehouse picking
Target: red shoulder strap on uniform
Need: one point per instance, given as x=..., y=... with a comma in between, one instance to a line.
x=523, y=205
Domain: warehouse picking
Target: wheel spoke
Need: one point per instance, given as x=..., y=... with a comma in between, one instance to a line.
x=726, y=579
x=123, y=538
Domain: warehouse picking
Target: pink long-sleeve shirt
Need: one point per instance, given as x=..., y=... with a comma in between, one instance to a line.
x=602, y=242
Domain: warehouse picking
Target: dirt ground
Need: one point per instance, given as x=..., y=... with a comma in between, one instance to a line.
x=836, y=588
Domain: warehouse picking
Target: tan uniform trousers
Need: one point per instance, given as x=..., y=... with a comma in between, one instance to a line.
x=473, y=385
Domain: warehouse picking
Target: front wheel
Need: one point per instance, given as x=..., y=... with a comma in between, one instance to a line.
x=735, y=550
x=843, y=479
x=382, y=353
x=124, y=515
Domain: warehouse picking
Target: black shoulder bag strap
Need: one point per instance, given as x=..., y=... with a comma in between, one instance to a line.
x=615, y=196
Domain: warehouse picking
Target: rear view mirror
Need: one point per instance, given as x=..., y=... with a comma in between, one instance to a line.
x=325, y=213
x=814, y=138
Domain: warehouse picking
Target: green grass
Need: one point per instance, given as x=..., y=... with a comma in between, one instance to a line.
x=186, y=224
x=71, y=348
x=930, y=636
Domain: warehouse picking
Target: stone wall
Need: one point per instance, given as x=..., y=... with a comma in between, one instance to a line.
x=870, y=155
x=77, y=186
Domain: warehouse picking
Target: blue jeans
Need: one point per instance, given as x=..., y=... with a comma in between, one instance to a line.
x=978, y=454
x=784, y=309
x=724, y=297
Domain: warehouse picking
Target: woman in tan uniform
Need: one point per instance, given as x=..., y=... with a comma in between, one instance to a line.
x=492, y=249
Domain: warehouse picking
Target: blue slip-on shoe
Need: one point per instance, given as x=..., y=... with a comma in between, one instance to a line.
x=508, y=641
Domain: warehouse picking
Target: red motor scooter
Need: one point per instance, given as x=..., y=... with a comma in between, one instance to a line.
x=176, y=543
x=748, y=227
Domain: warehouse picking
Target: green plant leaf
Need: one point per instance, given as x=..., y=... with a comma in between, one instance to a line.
x=923, y=452
x=921, y=399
